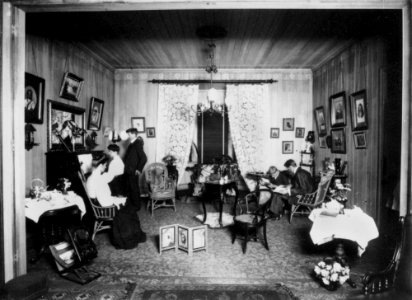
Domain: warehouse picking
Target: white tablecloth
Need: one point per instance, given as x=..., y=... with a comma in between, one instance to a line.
x=354, y=225
x=52, y=200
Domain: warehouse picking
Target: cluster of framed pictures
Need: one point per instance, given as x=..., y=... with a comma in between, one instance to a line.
x=183, y=238
x=338, y=116
x=288, y=125
x=60, y=114
x=139, y=124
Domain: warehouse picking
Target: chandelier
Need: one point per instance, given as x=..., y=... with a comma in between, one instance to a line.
x=211, y=106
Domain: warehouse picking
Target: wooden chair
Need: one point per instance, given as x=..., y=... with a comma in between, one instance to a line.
x=103, y=216
x=249, y=224
x=162, y=189
x=379, y=282
x=310, y=201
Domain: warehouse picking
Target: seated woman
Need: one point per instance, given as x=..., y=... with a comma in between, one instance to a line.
x=276, y=179
x=98, y=186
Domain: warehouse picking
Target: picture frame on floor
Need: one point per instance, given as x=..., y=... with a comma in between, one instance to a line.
x=33, y=99
x=183, y=237
x=167, y=239
x=71, y=87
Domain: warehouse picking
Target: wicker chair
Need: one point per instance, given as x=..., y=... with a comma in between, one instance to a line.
x=310, y=201
x=162, y=189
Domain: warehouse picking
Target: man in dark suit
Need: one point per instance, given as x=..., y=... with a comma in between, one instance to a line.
x=301, y=183
x=134, y=161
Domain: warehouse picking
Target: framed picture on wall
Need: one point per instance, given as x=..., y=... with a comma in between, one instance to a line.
x=300, y=132
x=61, y=121
x=287, y=147
x=338, y=140
x=358, y=110
x=320, y=121
x=71, y=87
x=337, y=104
x=274, y=133
x=322, y=142
x=139, y=124
x=359, y=139
x=151, y=132
x=33, y=99
x=288, y=124
x=95, y=114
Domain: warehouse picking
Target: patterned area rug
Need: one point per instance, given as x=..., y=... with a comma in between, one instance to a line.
x=212, y=219
x=275, y=292
x=91, y=291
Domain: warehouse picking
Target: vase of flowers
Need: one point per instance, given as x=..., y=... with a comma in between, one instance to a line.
x=339, y=192
x=332, y=273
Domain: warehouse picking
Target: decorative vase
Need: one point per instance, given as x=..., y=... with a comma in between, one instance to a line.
x=338, y=165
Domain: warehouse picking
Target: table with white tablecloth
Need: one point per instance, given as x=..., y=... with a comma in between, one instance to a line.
x=50, y=201
x=354, y=225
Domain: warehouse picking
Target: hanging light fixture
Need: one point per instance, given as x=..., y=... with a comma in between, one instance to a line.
x=210, y=33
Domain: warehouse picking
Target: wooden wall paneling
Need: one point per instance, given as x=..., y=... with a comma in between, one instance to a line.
x=355, y=69
x=50, y=59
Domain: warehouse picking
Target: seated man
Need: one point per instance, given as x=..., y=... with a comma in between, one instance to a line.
x=301, y=183
x=98, y=186
x=115, y=171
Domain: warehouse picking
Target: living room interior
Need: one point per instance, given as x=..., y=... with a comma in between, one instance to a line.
x=127, y=62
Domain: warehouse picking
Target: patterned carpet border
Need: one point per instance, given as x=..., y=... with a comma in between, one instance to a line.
x=227, y=292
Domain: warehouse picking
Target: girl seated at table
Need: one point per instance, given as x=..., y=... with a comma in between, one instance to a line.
x=98, y=186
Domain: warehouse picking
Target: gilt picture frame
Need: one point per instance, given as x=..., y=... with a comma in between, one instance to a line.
x=287, y=147
x=33, y=99
x=300, y=132
x=139, y=124
x=71, y=87
x=359, y=113
x=337, y=105
x=58, y=114
x=359, y=139
x=151, y=132
x=288, y=124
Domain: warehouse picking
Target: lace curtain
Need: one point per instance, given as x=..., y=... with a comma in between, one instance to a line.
x=249, y=124
x=176, y=122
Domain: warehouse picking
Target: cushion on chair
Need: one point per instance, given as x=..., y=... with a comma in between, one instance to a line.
x=27, y=287
x=247, y=218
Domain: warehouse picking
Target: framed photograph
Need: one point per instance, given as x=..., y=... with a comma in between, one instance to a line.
x=199, y=238
x=320, y=121
x=168, y=238
x=287, y=147
x=138, y=123
x=338, y=140
x=60, y=120
x=33, y=99
x=337, y=104
x=71, y=87
x=358, y=110
x=359, y=139
x=151, y=132
x=274, y=133
x=300, y=132
x=288, y=124
x=95, y=114
x=183, y=237
x=322, y=142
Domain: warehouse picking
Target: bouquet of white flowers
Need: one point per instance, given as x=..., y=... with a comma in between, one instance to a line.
x=332, y=273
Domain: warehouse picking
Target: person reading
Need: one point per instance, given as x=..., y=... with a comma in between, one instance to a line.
x=98, y=186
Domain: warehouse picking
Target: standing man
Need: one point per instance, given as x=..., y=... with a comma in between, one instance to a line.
x=134, y=161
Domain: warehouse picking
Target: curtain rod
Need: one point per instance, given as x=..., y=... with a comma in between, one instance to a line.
x=214, y=81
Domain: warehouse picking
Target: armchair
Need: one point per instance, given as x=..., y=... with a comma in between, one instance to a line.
x=312, y=200
x=162, y=189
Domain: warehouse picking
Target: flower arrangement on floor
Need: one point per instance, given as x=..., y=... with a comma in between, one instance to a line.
x=332, y=273
x=339, y=192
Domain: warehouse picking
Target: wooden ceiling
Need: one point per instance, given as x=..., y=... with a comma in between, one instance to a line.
x=255, y=38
